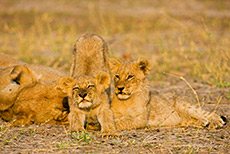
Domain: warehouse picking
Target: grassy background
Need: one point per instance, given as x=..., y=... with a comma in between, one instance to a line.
x=187, y=38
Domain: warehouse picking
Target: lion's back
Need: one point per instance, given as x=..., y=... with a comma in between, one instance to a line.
x=90, y=56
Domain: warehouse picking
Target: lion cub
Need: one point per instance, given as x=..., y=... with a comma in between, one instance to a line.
x=134, y=106
x=88, y=88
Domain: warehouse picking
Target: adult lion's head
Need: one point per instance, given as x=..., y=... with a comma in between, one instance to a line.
x=24, y=96
x=12, y=80
x=129, y=76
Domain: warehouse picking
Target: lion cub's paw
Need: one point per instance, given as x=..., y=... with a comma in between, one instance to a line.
x=77, y=129
x=216, y=121
x=109, y=133
x=204, y=122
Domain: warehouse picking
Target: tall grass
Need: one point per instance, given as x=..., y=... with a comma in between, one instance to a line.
x=189, y=39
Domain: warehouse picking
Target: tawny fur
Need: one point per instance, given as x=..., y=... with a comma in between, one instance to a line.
x=25, y=98
x=135, y=107
x=12, y=80
x=41, y=72
x=6, y=60
x=89, y=84
x=90, y=56
x=96, y=108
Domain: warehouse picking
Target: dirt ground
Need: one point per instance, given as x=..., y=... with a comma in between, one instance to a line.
x=44, y=138
x=189, y=38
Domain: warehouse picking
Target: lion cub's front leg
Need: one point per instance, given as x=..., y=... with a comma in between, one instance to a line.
x=106, y=119
x=76, y=120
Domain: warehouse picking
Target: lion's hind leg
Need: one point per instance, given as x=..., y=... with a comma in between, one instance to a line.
x=161, y=113
x=189, y=112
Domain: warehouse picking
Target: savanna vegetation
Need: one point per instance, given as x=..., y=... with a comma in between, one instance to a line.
x=184, y=38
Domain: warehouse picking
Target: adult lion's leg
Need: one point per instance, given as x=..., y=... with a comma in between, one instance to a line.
x=23, y=120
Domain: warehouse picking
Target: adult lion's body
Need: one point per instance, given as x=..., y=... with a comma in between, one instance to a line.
x=6, y=60
x=88, y=86
x=134, y=106
x=40, y=102
x=41, y=72
x=30, y=93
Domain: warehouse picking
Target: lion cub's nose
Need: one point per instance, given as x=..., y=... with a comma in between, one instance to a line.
x=83, y=95
x=120, y=88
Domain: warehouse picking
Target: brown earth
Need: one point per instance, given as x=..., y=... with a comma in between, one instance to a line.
x=44, y=138
x=190, y=38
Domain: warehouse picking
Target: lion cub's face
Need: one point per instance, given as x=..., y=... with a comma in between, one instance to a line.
x=84, y=92
x=85, y=89
x=129, y=76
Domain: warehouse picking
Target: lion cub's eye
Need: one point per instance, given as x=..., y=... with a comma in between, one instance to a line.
x=117, y=76
x=130, y=77
x=91, y=86
x=76, y=88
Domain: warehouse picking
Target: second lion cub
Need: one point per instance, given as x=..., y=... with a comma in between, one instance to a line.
x=134, y=106
x=88, y=86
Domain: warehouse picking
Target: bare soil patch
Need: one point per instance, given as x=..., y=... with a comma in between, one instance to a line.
x=44, y=138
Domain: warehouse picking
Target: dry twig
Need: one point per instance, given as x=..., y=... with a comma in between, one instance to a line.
x=182, y=78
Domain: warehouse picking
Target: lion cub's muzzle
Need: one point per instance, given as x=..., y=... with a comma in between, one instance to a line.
x=83, y=95
x=120, y=89
x=84, y=102
x=121, y=94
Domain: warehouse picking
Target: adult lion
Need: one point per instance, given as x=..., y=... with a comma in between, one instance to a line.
x=6, y=60
x=30, y=93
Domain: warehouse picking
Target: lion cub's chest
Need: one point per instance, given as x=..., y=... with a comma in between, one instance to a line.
x=91, y=116
x=126, y=108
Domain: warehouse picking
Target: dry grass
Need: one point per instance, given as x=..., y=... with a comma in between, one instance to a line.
x=189, y=38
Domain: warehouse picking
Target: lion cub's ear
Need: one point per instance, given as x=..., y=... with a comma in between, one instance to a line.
x=22, y=75
x=114, y=65
x=66, y=84
x=102, y=81
x=144, y=65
